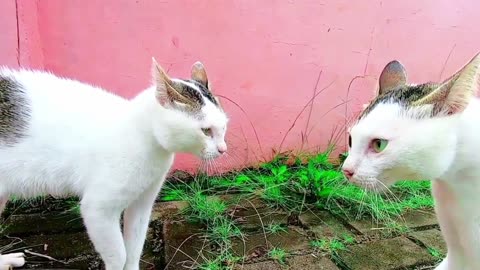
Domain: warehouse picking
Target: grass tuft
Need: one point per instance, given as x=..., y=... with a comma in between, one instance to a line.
x=274, y=228
x=277, y=254
x=331, y=246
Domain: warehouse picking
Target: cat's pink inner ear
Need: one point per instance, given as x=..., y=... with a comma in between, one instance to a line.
x=364, y=106
x=166, y=93
x=455, y=93
x=159, y=75
x=393, y=76
x=199, y=73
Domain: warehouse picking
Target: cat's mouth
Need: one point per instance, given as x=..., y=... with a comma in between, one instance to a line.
x=370, y=184
x=208, y=156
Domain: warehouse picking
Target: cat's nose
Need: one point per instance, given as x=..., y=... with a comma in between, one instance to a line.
x=222, y=148
x=348, y=173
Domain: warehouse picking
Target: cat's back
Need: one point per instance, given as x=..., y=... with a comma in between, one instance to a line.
x=40, y=100
x=52, y=130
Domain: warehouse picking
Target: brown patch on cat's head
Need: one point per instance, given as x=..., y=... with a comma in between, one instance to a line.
x=448, y=97
x=186, y=95
x=405, y=95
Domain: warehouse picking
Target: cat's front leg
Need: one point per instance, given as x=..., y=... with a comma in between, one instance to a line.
x=103, y=226
x=135, y=224
x=445, y=209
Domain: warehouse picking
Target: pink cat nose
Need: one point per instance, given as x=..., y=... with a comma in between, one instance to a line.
x=348, y=173
x=222, y=149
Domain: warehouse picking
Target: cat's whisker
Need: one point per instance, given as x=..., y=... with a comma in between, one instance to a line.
x=362, y=204
x=389, y=191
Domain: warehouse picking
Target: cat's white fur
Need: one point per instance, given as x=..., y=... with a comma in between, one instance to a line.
x=112, y=152
x=8, y=261
x=444, y=148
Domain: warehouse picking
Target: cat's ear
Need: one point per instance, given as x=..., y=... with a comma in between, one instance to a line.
x=165, y=91
x=454, y=94
x=393, y=76
x=199, y=74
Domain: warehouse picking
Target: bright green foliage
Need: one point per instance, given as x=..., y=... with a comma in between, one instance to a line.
x=222, y=231
x=205, y=208
x=308, y=180
x=173, y=194
x=278, y=254
x=223, y=261
x=348, y=239
x=437, y=254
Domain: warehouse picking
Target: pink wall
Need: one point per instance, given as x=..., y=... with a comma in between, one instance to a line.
x=266, y=55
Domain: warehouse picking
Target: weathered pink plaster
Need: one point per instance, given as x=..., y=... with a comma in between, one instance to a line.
x=265, y=56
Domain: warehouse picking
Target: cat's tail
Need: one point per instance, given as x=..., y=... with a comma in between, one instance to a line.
x=8, y=261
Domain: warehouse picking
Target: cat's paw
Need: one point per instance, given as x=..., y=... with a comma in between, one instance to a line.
x=8, y=261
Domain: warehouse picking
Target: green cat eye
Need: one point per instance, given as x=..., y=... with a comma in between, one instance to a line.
x=379, y=145
x=207, y=132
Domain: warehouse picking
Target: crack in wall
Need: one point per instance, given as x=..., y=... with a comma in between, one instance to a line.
x=18, y=33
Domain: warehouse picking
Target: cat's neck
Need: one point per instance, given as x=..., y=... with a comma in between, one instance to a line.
x=467, y=150
x=137, y=125
x=463, y=176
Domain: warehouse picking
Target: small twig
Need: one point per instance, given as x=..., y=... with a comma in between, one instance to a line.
x=43, y=256
x=311, y=104
x=149, y=263
x=446, y=61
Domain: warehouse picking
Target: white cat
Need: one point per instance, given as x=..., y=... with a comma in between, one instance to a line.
x=63, y=137
x=427, y=131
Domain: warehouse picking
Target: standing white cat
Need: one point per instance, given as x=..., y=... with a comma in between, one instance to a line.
x=426, y=131
x=63, y=137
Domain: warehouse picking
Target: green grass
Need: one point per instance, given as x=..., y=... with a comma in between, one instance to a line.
x=331, y=246
x=292, y=184
x=277, y=254
x=205, y=208
x=348, y=239
x=393, y=228
x=223, y=261
x=295, y=183
x=274, y=228
x=212, y=265
x=222, y=231
x=437, y=254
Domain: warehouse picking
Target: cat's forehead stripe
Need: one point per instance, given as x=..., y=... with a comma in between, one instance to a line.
x=194, y=91
x=404, y=96
x=204, y=90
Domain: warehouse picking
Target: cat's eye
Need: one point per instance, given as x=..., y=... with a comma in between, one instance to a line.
x=207, y=132
x=350, y=141
x=378, y=145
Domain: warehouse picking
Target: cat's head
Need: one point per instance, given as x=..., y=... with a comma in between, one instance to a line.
x=191, y=118
x=408, y=131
